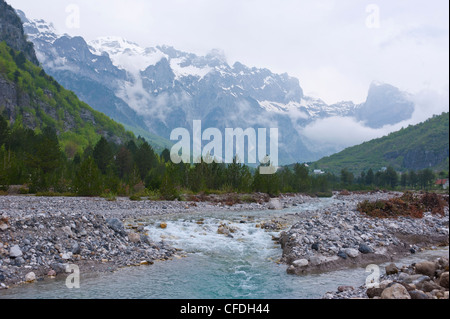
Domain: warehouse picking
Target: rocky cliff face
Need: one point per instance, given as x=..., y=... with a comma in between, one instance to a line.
x=11, y=31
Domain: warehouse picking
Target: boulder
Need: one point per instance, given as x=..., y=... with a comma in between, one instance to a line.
x=391, y=269
x=317, y=260
x=59, y=268
x=353, y=253
x=396, y=291
x=163, y=225
x=342, y=255
x=365, y=249
x=223, y=230
x=15, y=251
x=67, y=256
x=428, y=286
x=426, y=268
x=374, y=292
x=418, y=295
x=275, y=204
x=116, y=225
x=443, y=281
x=301, y=263
x=30, y=277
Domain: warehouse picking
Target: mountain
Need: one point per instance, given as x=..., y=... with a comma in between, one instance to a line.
x=160, y=88
x=32, y=98
x=384, y=99
x=425, y=145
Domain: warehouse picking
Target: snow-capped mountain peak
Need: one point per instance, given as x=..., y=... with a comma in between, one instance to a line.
x=161, y=88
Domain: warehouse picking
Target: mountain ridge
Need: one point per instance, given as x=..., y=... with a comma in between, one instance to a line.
x=158, y=89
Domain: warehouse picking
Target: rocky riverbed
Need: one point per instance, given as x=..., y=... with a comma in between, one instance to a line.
x=341, y=237
x=40, y=236
x=422, y=280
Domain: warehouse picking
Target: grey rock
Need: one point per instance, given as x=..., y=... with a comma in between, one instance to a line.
x=342, y=255
x=301, y=263
x=353, y=253
x=116, y=225
x=30, y=277
x=365, y=249
x=15, y=251
x=76, y=249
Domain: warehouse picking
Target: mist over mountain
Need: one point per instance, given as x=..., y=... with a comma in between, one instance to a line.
x=160, y=88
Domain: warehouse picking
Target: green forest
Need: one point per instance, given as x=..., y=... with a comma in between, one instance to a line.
x=36, y=161
x=97, y=157
x=48, y=104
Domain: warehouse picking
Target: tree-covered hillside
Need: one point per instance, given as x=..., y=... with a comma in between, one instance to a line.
x=425, y=145
x=31, y=98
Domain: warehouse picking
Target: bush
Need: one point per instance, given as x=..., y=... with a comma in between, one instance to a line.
x=135, y=198
x=408, y=205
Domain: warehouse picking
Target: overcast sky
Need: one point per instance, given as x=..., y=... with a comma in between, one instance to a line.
x=336, y=48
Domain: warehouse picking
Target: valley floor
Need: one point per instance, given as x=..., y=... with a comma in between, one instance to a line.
x=39, y=236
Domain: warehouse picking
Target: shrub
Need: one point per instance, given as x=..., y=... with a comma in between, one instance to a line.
x=408, y=205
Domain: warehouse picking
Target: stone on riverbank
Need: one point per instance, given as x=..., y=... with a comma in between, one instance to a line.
x=15, y=252
x=30, y=277
x=365, y=249
x=116, y=225
x=426, y=268
x=301, y=263
x=391, y=269
x=443, y=281
x=396, y=291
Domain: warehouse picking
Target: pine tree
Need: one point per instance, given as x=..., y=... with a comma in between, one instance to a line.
x=88, y=179
x=103, y=155
x=145, y=159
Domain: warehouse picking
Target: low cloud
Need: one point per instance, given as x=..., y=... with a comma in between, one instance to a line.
x=339, y=133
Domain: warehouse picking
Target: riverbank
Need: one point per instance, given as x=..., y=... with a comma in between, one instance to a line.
x=428, y=279
x=341, y=237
